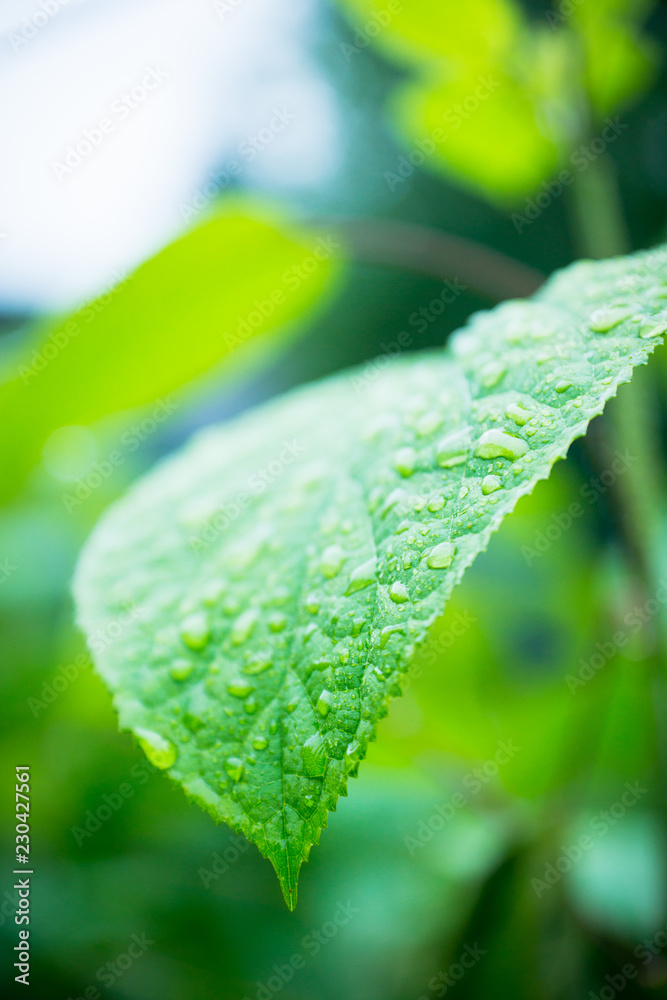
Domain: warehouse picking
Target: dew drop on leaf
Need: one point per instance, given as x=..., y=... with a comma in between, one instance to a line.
x=405, y=461
x=603, y=320
x=452, y=450
x=160, y=751
x=495, y=443
x=314, y=757
x=243, y=626
x=441, y=556
x=331, y=561
x=234, y=767
x=195, y=631
x=180, y=669
x=490, y=484
x=324, y=702
x=240, y=688
x=398, y=593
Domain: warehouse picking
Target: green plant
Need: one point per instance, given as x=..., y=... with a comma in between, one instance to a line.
x=255, y=602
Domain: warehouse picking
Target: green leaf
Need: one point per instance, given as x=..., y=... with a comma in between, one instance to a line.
x=229, y=284
x=255, y=602
x=496, y=98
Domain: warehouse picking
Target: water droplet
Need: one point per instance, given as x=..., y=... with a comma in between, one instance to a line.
x=441, y=556
x=357, y=625
x=231, y=605
x=428, y=423
x=312, y=604
x=324, y=702
x=519, y=413
x=234, y=768
x=452, y=449
x=260, y=743
x=388, y=631
x=243, y=626
x=399, y=593
x=436, y=504
x=160, y=751
x=180, y=670
x=240, y=688
x=193, y=722
x=314, y=756
x=309, y=631
x=397, y=496
x=405, y=461
x=495, y=443
x=605, y=319
x=250, y=706
x=653, y=327
x=492, y=373
x=195, y=631
x=277, y=622
x=490, y=484
x=331, y=561
x=259, y=664
x=352, y=748
x=362, y=576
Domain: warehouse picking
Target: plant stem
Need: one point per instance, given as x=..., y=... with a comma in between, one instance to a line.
x=632, y=424
x=412, y=247
x=632, y=416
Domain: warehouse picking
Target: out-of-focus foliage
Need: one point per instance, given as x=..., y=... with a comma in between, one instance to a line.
x=228, y=284
x=497, y=98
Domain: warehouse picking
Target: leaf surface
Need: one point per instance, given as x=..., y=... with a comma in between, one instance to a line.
x=254, y=603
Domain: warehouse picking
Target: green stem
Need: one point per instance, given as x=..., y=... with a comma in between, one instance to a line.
x=602, y=232
x=598, y=213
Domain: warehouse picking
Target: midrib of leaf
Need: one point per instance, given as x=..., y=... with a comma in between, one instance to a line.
x=141, y=547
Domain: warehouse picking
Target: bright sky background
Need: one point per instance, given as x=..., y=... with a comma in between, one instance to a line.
x=221, y=75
